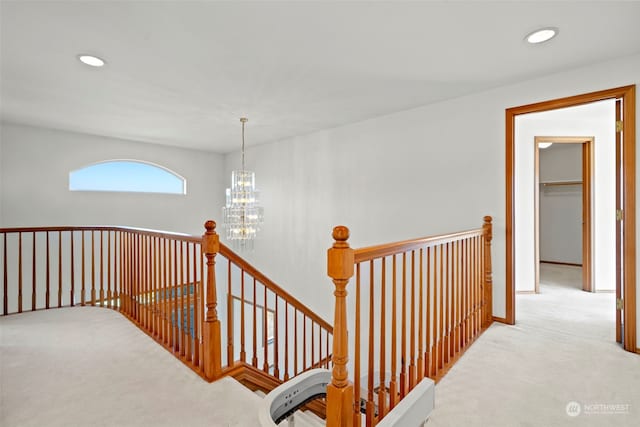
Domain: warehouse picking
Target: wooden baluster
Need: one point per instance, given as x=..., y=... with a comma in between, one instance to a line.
x=382, y=407
x=441, y=310
x=467, y=246
x=327, y=351
x=93, y=269
x=156, y=288
x=393, y=385
x=171, y=297
x=304, y=342
x=212, y=341
x=447, y=305
x=420, y=360
x=5, y=286
x=340, y=403
x=265, y=346
x=33, y=274
x=243, y=352
x=276, y=372
x=474, y=280
x=183, y=306
x=116, y=276
x=230, y=314
x=412, y=347
x=109, y=293
x=254, y=359
x=370, y=403
x=196, y=299
x=19, y=271
x=71, y=271
x=357, y=356
x=428, y=321
x=487, y=232
x=59, y=269
x=295, y=342
x=458, y=305
x=166, y=279
x=144, y=282
x=101, y=268
x=176, y=300
x=403, y=330
x=286, y=340
x=188, y=311
x=47, y=294
x=451, y=291
x=313, y=345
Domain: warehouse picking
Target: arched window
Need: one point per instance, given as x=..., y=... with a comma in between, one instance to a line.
x=127, y=175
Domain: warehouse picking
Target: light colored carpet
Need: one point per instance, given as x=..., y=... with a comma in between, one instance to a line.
x=561, y=350
x=92, y=367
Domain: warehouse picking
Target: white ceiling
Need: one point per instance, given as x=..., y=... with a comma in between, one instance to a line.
x=183, y=72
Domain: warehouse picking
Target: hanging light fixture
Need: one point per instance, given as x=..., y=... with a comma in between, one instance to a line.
x=242, y=216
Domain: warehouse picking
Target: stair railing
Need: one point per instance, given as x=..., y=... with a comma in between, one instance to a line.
x=422, y=302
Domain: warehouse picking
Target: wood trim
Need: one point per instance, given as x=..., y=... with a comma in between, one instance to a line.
x=560, y=263
x=587, y=179
x=627, y=93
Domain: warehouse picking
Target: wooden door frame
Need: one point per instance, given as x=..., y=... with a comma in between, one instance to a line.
x=628, y=96
x=587, y=174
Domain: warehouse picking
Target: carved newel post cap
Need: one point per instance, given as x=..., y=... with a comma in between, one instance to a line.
x=210, y=225
x=488, y=218
x=340, y=233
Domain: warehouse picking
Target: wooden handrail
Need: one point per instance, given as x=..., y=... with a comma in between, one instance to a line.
x=380, y=251
x=142, y=231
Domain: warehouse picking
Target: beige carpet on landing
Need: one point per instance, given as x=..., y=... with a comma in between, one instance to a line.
x=561, y=350
x=86, y=366
x=92, y=367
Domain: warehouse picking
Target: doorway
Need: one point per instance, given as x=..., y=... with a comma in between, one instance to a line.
x=570, y=174
x=625, y=130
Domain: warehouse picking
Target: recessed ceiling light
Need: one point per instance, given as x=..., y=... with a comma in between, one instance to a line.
x=91, y=60
x=542, y=35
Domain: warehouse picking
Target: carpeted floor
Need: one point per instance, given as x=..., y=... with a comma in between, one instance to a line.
x=562, y=350
x=92, y=367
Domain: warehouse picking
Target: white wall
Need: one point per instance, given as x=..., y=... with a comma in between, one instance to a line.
x=34, y=179
x=432, y=169
x=597, y=120
x=561, y=206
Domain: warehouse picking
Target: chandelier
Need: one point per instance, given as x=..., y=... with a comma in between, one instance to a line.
x=242, y=216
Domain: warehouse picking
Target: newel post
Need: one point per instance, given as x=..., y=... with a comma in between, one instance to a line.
x=340, y=405
x=211, y=328
x=487, y=232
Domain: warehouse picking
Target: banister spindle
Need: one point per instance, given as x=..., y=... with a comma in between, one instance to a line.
x=211, y=327
x=487, y=309
x=340, y=259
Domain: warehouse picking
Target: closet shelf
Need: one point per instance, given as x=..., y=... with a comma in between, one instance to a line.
x=556, y=183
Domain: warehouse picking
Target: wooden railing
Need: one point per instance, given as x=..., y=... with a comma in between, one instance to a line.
x=420, y=303
x=169, y=285
x=153, y=278
x=267, y=329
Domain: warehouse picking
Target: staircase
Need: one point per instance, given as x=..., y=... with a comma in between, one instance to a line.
x=416, y=306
